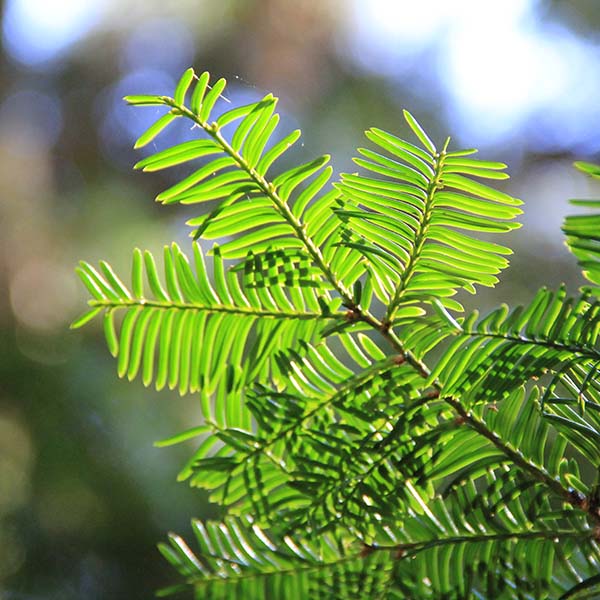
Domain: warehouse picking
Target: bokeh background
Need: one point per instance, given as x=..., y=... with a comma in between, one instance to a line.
x=84, y=495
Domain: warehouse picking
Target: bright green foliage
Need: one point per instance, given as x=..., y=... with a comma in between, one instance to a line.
x=170, y=335
x=583, y=232
x=363, y=438
x=406, y=223
x=507, y=348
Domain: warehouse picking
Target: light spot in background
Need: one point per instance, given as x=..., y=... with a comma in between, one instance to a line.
x=386, y=36
x=47, y=348
x=409, y=24
x=70, y=507
x=36, y=32
x=502, y=67
x=569, y=116
x=161, y=44
x=32, y=117
x=43, y=295
x=491, y=69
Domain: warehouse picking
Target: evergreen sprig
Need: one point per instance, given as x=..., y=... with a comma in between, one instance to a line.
x=362, y=436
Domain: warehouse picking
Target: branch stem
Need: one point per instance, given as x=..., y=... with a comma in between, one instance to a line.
x=518, y=459
x=233, y=310
x=420, y=235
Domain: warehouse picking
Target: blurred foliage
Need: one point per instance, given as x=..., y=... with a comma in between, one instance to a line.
x=74, y=519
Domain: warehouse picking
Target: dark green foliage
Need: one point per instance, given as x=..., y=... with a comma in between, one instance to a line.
x=363, y=438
